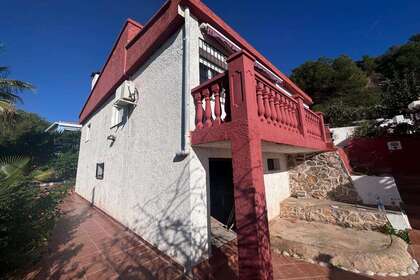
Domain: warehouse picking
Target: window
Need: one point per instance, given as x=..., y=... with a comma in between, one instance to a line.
x=212, y=61
x=208, y=70
x=273, y=164
x=87, y=135
x=100, y=170
x=117, y=115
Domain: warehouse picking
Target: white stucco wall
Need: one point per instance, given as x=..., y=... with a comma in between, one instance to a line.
x=162, y=198
x=370, y=188
x=276, y=184
x=144, y=186
x=341, y=135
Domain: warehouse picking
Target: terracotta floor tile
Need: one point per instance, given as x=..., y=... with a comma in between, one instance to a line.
x=86, y=244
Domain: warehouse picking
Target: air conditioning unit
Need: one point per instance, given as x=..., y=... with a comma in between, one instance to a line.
x=125, y=94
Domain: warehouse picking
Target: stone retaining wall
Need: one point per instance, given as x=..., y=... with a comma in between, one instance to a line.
x=321, y=176
x=331, y=212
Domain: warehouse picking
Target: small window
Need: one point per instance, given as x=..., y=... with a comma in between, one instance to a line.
x=100, y=170
x=87, y=136
x=273, y=164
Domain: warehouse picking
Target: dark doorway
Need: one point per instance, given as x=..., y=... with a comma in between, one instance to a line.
x=222, y=206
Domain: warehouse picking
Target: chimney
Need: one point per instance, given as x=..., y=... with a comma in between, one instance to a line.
x=94, y=76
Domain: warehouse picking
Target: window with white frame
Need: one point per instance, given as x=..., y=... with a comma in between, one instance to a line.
x=87, y=135
x=117, y=115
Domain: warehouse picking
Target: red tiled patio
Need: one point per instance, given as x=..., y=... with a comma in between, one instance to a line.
x=87, y=244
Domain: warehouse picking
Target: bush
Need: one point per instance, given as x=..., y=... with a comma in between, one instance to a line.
x=65, y=165
x=403, y=234
x=44, y=175
x=27, y=217
x=376, y=129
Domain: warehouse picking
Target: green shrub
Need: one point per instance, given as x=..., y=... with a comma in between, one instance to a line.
x=27, y=217
x=390, y=230
x=65, y=165
x=44, y=175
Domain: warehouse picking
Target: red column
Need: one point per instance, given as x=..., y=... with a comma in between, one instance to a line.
x=254, y=258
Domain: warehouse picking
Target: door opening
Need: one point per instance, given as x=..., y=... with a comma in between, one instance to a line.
x=222, y=206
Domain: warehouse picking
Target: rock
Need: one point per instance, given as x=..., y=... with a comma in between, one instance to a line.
x=416, y=265
x=369, y=273
x=344, y=268
x=382, y=274
x=310, y=261
x=403, y=273
x=355, y=271
x=411, y=271
x=286, y=254
x=323, y=264
x=393, y=274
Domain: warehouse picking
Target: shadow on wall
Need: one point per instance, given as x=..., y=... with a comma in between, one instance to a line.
x=171, y=225
x=374, y=188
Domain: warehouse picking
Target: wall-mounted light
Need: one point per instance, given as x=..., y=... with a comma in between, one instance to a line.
x=111, y=138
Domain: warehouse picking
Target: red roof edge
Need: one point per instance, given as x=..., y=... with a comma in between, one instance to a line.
x=127, y=22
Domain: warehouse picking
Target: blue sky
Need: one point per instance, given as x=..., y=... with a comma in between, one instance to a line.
x=57, y=44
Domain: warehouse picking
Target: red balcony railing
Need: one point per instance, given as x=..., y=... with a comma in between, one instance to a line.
x=287, y=115
x=276, y=107
x=211, y=100
x=314, y=126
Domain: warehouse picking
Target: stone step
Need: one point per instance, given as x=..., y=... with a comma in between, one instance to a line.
x=332, y=212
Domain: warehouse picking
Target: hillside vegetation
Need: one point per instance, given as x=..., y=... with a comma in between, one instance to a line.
x=373, y=87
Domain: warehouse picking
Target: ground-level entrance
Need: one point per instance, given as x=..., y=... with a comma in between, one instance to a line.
x=222, y=206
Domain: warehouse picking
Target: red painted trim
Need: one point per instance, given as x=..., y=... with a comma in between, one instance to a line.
x=344, y=158
x=208, y=82
x=137, y=48
x=97, y=97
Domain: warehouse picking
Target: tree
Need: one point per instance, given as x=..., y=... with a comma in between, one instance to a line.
x=399, y=92
x=339, y=88
x=10, y=90
x=400, y=61
x=26, y=136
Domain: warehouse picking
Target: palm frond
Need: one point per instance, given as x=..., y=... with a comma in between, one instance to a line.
x=5, y=106
x=9, y=96
x=10, y=165
x=10, y=88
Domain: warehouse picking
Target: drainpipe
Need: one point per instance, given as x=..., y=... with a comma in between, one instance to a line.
x=186, y=89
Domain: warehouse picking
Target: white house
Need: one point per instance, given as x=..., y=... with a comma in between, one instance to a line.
x=185, y=121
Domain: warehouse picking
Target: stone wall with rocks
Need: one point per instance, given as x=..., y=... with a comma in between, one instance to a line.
x=332, y=212
x=321, y=176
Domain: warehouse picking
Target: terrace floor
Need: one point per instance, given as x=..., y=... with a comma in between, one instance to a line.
x=87, y=244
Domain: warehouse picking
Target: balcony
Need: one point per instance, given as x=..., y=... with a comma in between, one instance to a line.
x=234, y=98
